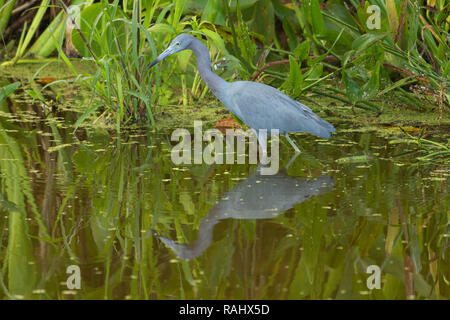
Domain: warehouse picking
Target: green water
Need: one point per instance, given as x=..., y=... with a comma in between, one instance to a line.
x=140, y=227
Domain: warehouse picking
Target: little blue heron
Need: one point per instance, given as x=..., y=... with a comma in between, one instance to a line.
x=258, y=105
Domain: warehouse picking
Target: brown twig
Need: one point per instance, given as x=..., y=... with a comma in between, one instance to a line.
x=23, y=7
x=77, y=27
x=334, y=59
x=405, y=72
x=274, y=63
x=267, y=65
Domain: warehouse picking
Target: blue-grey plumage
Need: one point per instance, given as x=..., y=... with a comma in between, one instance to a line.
x=258, y=105
x=263, y=107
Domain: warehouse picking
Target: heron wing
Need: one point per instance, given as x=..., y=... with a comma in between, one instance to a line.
x=263, y=107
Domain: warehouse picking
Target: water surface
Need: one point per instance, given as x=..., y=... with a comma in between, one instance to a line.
x=140, y=227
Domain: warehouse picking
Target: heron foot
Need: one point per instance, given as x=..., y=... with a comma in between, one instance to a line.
x=265, y=160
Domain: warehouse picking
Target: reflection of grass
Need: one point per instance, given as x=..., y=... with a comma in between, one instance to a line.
x=121, y=189
x=435, y=151
x=18, y=262
x=330, y=263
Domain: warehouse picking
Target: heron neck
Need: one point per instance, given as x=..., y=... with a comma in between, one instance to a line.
x=212, y=80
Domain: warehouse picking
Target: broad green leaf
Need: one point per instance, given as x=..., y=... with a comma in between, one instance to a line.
x=215, y=37
x=162, y=28
x=317, y=18
x=352, y=89
x=392, y=15
x=399, y=83
x=302, y=50
x=366, y=40
x=213, y=12
x=5, y=14
x=314, y=73
x=103, y=32
x=346, y=57
x=294, y=82
x=33, y=27
x=370, y=89
x=8, y=89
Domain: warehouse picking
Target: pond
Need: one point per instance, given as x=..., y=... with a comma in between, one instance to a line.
x=352, y=217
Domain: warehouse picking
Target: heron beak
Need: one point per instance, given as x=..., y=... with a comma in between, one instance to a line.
x=162, y=56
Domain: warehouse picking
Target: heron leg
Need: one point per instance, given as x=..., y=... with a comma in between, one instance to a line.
x=263, y=148
x=297, y=150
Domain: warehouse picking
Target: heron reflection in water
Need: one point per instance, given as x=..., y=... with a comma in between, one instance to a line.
x=258, y=197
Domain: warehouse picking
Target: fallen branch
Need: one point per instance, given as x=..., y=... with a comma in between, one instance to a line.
x=334, y=59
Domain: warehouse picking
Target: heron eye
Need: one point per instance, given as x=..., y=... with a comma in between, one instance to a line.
x=177, y=44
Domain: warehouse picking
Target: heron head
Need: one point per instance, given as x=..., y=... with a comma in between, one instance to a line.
x=181, y=42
